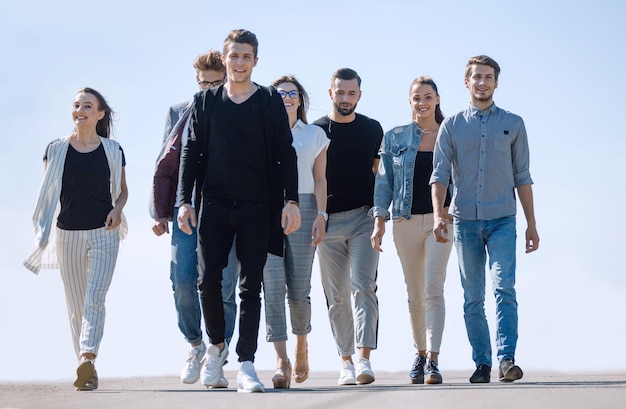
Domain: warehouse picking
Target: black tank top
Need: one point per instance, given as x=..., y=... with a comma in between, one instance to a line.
x=422, y=199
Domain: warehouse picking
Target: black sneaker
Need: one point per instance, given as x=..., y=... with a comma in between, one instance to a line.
x=482, y=374
x=431, y=373
x=509, y=372
x=417, y=370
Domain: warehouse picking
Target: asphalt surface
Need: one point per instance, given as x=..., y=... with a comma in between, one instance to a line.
x=390, y=390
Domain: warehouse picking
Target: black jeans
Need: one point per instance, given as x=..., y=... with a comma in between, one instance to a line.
x=220, y=221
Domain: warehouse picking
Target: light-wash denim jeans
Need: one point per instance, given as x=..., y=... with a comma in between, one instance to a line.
x=474, y=241
x=184, y=276
x=424, y=263
x=349, y=266
x=291, y=275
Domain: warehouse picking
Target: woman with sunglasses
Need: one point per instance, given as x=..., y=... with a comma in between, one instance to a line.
x=291, y=274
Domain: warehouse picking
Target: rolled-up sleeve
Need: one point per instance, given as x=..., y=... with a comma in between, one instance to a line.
x=442, y=157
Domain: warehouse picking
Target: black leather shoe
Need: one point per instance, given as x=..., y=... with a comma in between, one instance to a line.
x=482, y=374
x=417, y=370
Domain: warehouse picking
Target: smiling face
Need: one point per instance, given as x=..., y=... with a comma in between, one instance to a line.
x=481, y=82
x=345, y=95
x=86, y=110
x=291, y=104
x=423, y=100
x=239, y=61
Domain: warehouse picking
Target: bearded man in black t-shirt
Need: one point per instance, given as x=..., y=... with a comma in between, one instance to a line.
x=347, y=260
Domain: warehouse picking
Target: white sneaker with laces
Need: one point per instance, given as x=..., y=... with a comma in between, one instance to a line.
x=222, y=384
x=247, y=381
x=191, y=371
x=347, y=375
x=364, y=373
x=213, y=362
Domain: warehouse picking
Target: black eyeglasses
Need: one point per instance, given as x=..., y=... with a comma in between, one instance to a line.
x=211, y=84
x=292, y=94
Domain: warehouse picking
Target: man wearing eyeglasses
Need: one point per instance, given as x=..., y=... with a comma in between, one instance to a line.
x=348, y=263
x=210, y=73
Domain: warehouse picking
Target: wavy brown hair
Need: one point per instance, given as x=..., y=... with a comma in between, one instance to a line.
x=104, y=125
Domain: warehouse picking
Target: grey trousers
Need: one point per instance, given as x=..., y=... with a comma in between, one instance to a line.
x=349, y=265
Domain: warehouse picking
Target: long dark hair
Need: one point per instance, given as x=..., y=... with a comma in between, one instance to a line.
x=426, y=80
x=304, y=97
x=103, y=127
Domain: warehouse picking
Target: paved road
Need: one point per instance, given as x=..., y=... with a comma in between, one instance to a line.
x=535, y=390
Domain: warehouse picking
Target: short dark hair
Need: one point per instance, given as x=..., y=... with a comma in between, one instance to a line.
x=103, y=127
x=346, y=74
x=304, y=97
x=242, y=36
x=482, y=60
x=209, y=61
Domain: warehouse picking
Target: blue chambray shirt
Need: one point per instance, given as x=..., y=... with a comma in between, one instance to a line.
x=486, y=153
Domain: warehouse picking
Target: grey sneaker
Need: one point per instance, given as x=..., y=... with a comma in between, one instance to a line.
x=347, y=375
x=214, y=360
x=417, y=370
x=85, y=373
x=509, y=372
x=191, y=371
x=247, y=380
x=364, y=373
x=431, y=373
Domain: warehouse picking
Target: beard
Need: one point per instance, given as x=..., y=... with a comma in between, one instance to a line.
x=344, y=111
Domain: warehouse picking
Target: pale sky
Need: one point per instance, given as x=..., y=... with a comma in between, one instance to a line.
x=562, y=71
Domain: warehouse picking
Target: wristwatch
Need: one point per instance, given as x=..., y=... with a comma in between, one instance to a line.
x=323, y=214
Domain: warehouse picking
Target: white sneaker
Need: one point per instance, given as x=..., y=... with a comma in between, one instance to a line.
x=222, y=384
x=346, y=375
x=191, y=370
x=364, y=373
x=213, y=362
x=247, y=381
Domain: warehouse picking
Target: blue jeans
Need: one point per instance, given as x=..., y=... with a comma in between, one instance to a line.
x=474, y=241
x=184, y=276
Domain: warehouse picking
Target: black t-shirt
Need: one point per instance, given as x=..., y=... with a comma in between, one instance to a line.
x=237, y=164
x=422, y=198
x=86, y=190
x=352, y=150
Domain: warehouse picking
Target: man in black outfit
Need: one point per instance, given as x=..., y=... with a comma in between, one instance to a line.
x=239, y=151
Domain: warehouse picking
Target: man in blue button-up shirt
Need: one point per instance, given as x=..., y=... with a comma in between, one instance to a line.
x=484, y=149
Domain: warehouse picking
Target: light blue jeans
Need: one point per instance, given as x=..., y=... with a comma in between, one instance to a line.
x=474, y=241
x=184, y=276
x=291, y=275
x=349, y=266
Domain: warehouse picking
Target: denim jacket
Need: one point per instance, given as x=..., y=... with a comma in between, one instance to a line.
x=394, y=179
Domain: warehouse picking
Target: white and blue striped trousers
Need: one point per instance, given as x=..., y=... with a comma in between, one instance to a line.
x=87, y=260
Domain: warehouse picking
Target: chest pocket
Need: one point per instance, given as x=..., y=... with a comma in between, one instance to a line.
x=397, y=155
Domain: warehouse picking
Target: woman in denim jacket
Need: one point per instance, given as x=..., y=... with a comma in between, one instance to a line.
x=405, y=167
